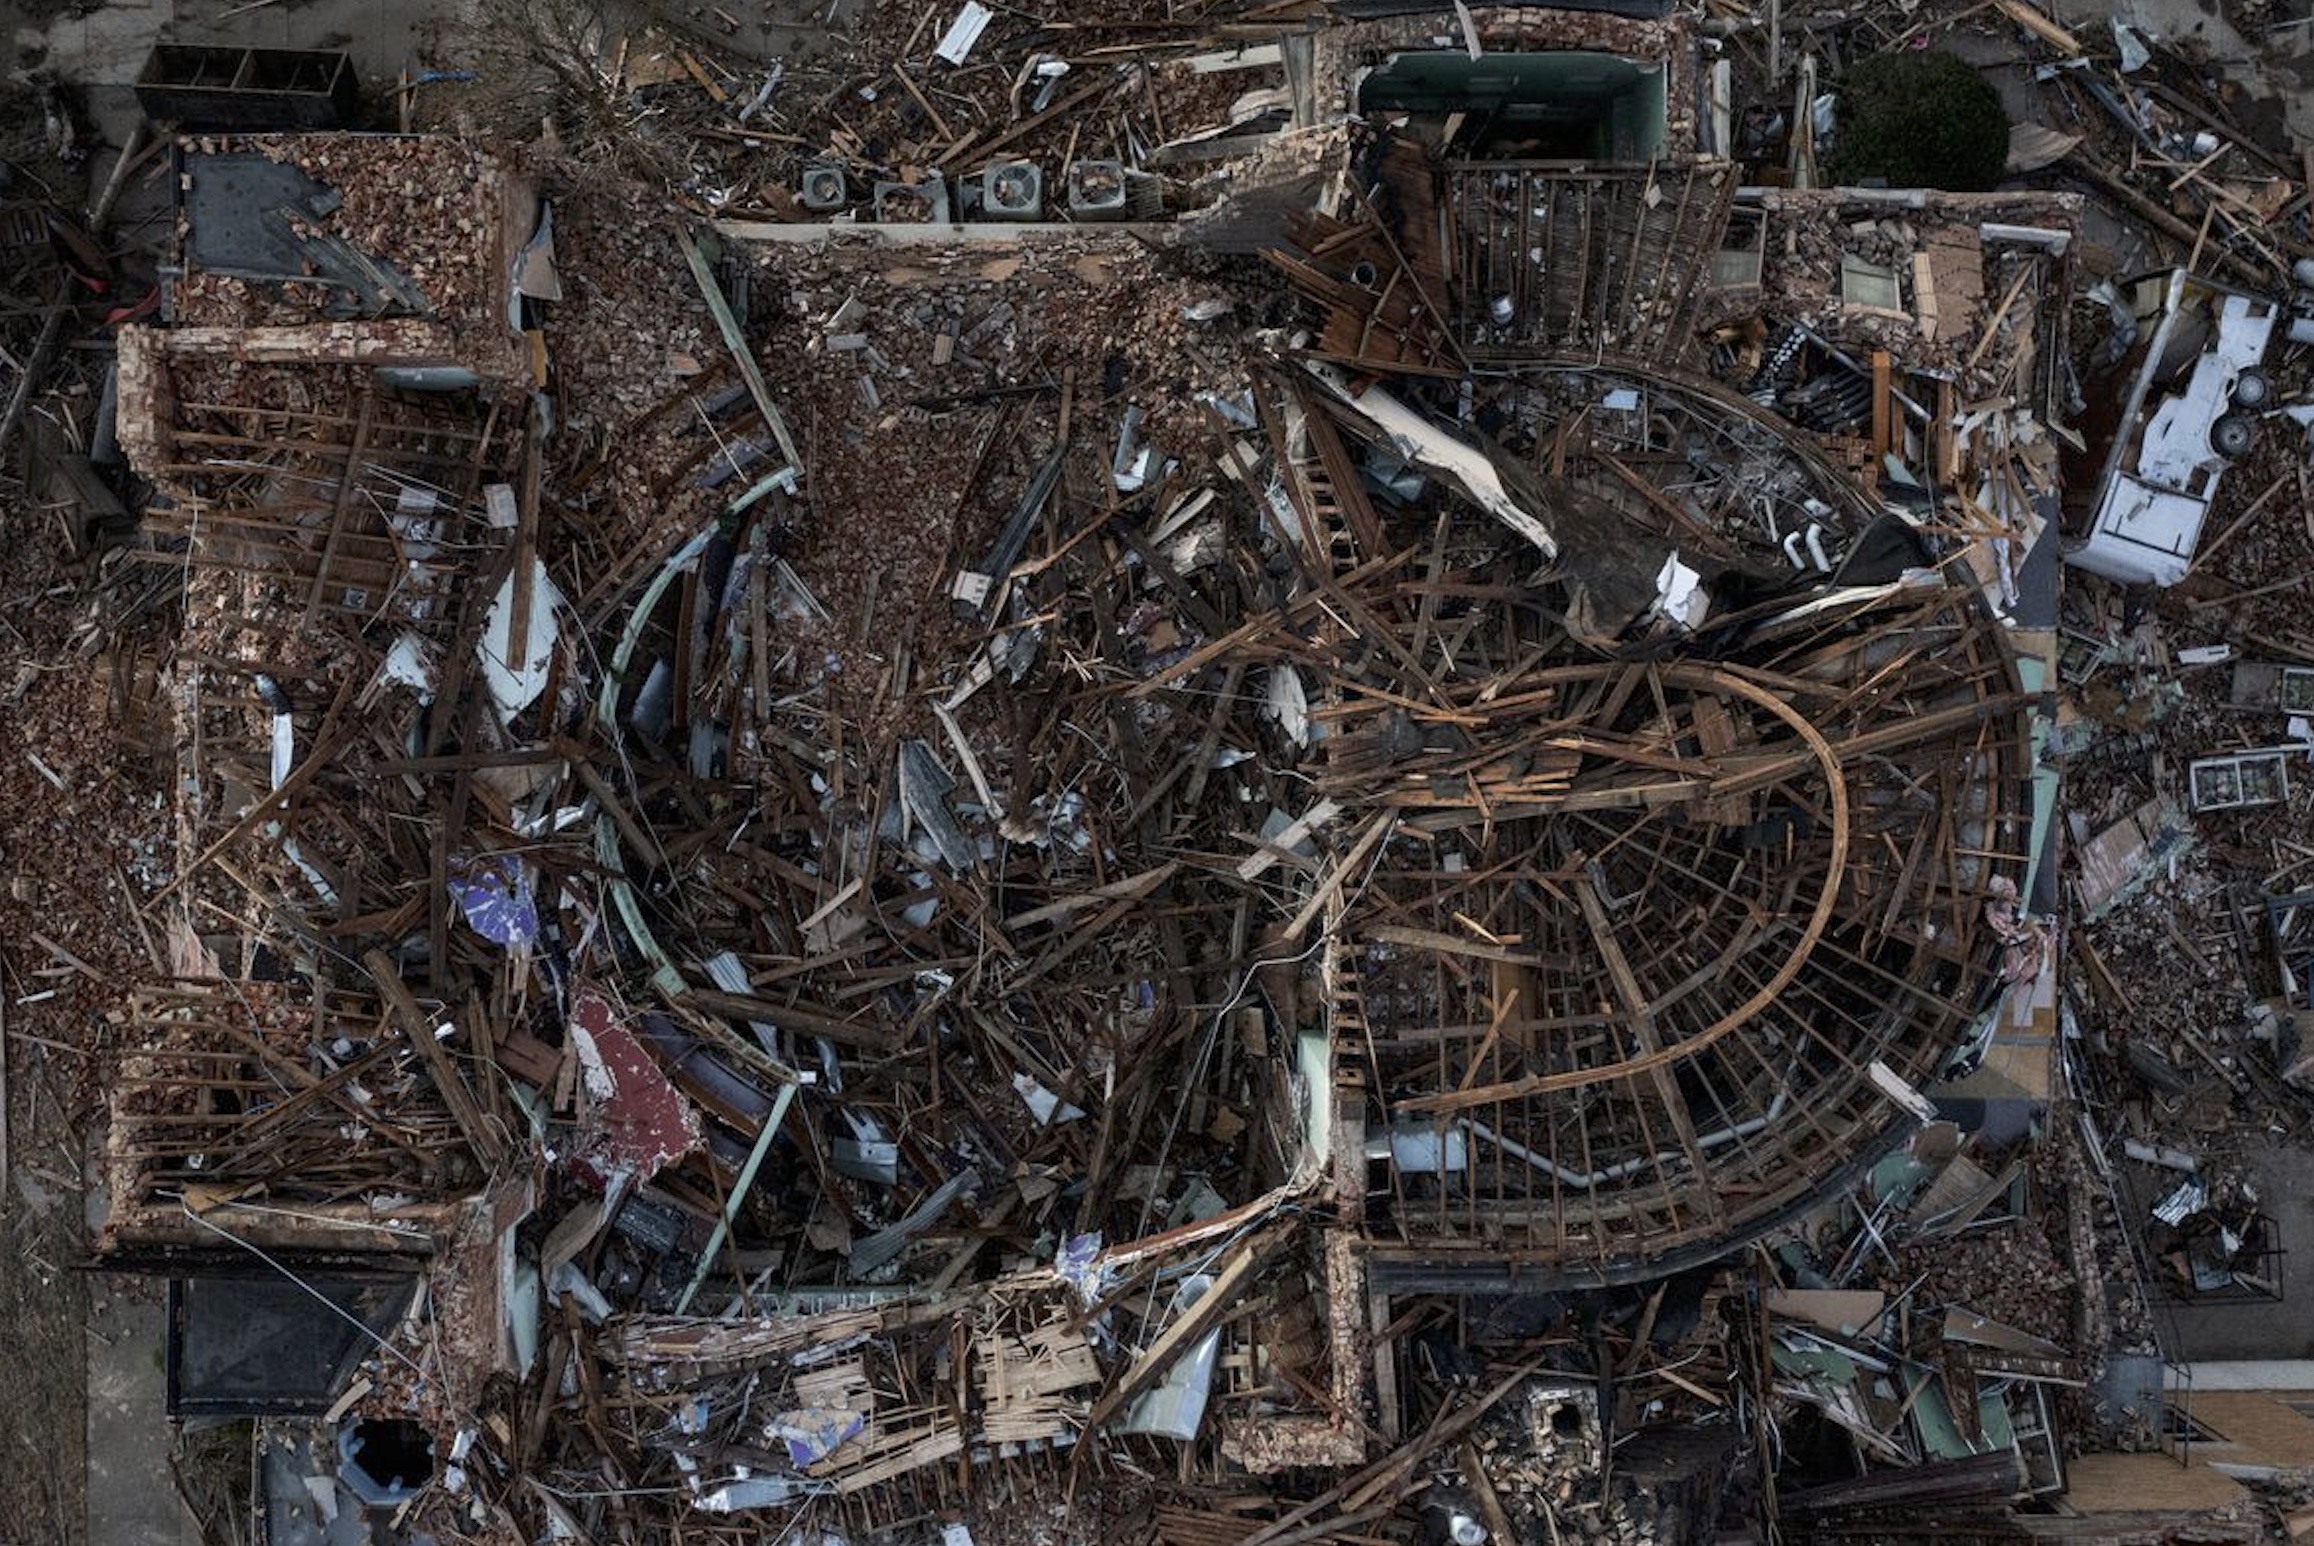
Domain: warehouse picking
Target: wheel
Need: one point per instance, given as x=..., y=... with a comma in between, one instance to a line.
x=2230, y=437
x=2252, y=388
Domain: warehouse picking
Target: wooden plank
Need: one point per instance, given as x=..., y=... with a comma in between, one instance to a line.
x=1641, y=1017
x=638, y=837
x=417, y=1025
x=1269, y=853
x=735, y=340
x=1192, y=1323
x=1378, y=827
x=525, y=552
x=344, y=506
x=448, y=823
x=2040, y=26
x=1992, y=325
x=1882, y=417
x=1946, y=446
x=1117, y=890
x=742, y=1006
x=706, y=82
x=1447, y=944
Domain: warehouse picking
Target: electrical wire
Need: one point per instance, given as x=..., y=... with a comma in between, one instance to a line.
x=319, y=1297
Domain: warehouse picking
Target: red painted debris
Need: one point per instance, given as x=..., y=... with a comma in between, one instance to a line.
x=638, y=1122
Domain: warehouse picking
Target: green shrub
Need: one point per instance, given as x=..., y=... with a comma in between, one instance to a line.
x=1919, y=120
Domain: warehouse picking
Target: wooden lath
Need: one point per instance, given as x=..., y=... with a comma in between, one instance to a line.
x=1687, y=896
x=1585, y=259
x=1379, y=271
x=373, y=512
x=271, y=1088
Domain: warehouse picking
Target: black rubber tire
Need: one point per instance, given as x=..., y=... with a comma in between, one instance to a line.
x=2232, y=435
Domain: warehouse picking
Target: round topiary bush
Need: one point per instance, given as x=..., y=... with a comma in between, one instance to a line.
x=1919, y=120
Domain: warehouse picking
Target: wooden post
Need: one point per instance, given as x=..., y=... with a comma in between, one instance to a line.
x=1947, y=449
x=1881, y=405
x=418, y=1026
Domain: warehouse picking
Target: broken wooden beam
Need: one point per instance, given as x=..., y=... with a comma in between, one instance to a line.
x=1216, y=1302
x=418, y=1026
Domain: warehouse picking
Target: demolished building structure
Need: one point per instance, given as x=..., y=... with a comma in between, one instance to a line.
x=1015, y=876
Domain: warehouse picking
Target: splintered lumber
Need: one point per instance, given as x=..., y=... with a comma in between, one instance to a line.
x=44, y=352
x=2081, y=162
x=1132, y=887
x=1448, y=944
x=1385, y=1476
x=1192, y=1323
x=794, y=1017
x=1378, y=827
x=2027, y=17
x=417, y=1025
x=1258, y=863
x=335, y=728
x=1535, y=835
x=741, y=354
x=1069, y=103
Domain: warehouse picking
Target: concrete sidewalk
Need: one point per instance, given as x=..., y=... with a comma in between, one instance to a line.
x=132, y=1498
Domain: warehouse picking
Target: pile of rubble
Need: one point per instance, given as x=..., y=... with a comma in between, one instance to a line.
x=1209, y=777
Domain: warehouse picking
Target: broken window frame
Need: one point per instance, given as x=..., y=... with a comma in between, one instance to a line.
x=1852, y=265
x=1746, y=242
x=400, y=1291
x=2238, y=765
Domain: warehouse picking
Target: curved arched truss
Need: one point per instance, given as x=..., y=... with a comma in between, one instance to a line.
x=1644, y=946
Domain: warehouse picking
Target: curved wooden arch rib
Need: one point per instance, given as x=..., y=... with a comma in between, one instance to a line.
x=1703, y=679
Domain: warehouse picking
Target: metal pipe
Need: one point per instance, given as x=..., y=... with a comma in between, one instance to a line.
x=738, y=1195
x=1622, y=1168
